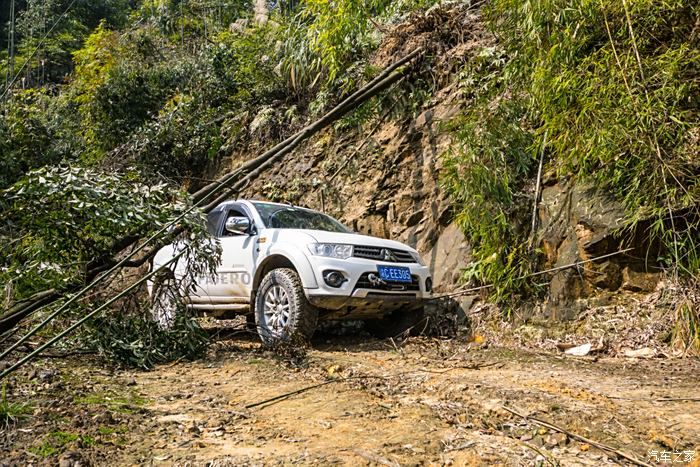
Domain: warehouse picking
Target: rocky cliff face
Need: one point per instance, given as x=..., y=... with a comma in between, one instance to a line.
x=579, y=223
x=383, y=179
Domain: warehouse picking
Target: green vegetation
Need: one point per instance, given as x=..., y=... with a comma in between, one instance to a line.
x=685, y=335
x=64, y=30
x=57, y=441
x=56, y=220
x=613, y=88
x=114, y=402
x=125, y=106
x=10, y=412
x=132, y=339
x=29, y=127
x=108, y=430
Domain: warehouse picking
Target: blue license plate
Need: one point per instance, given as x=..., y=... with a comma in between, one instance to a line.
x=395, y=273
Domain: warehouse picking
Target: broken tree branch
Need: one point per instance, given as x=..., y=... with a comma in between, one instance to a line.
x=553, y=463
x=287, y=395
x=657, y=399
x=19, y=311
x=601, y=446
x=292, y=393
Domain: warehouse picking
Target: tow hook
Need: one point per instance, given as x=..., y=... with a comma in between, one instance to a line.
x=375, y=280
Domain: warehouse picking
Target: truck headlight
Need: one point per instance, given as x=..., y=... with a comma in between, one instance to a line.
x=331, y=250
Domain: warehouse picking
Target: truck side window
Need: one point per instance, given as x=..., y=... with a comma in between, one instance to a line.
x=213, y=219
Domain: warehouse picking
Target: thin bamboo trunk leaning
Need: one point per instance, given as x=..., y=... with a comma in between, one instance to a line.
x=220, y=190
x=351, y=102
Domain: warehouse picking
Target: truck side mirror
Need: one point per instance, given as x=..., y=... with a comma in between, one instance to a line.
x=237, y=225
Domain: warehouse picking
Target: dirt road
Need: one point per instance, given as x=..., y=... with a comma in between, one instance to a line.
x=367, y=402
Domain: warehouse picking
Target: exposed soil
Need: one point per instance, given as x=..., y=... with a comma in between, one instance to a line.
x=423, y=401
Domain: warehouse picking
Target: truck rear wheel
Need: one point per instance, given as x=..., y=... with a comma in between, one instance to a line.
x=282, y=312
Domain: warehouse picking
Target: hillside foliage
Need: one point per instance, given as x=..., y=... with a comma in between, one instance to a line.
x=117, y=107
x=609, y=92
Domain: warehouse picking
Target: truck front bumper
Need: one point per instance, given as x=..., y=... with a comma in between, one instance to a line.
x=359, y=297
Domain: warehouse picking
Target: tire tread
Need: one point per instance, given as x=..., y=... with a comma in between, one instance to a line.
x=302, y=322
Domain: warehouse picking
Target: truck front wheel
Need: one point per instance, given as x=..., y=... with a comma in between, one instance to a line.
x=282, y=312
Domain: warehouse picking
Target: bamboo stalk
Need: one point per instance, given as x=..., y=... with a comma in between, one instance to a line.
x=252, y=169
x=535, y=202
x=79, y=323
x=338, y=111
x=263, y=163
x=601, y=446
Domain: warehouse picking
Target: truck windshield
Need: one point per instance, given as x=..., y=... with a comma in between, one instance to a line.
x=277, y=216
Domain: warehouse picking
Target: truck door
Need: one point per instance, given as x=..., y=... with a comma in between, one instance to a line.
x=234, y=275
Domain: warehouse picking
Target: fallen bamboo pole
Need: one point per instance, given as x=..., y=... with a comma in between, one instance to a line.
x=596, y=444
x=301, y=136
x=351, y=102
x=80, y=322
x=253, y=169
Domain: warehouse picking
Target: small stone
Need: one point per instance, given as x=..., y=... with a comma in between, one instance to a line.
x=554, y=440
x=46, y=375
x=194, y=429
x=104, y=418
x=560, y=438
x=69, y=459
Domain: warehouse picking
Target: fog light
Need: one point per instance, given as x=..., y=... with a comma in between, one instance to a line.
x=429, y=284
x=334, y=278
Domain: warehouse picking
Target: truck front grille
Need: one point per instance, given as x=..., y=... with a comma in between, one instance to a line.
x=376, y=253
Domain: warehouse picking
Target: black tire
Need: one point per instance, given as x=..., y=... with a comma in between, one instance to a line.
x=397, y=323
x=300, y=321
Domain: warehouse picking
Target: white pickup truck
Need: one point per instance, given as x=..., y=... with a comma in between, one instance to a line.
x=289, y=267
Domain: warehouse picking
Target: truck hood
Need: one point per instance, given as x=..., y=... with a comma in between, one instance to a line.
x=322, y=236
